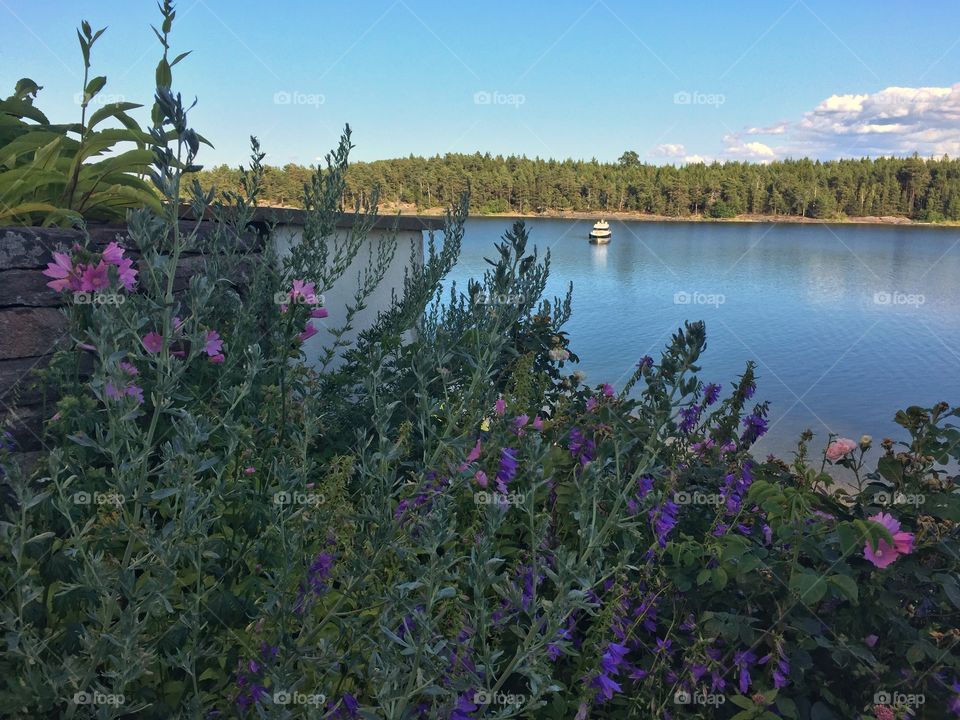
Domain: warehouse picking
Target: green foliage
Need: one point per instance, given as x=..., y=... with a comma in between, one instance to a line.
x=65, y=174
x=922, y=189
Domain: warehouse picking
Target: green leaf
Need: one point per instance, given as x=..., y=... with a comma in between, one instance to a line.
x=808, y=586
x=847, y=587
x=849, y=538
x=93, y=87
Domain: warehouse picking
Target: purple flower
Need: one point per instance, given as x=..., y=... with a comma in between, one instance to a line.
x=508, y=468
x=710, y=394
x=645, y=362
x=690, y=417
x=607, y=390
x=744, y=661
x=464, y=706
x=781, y=672
x=581, y=448
x=605, y=686
x=754, y=427
x=664, y=519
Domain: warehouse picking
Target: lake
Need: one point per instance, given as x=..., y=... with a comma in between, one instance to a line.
x=847, y=323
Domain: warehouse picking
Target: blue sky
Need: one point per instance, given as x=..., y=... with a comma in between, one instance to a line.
x=676, y=82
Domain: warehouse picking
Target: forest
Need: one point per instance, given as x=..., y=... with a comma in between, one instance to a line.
x=913, y=187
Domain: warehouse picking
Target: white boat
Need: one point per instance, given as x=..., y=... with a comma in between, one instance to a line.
x=600, y=235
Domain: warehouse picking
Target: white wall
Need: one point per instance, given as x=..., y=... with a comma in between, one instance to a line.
x=342, y=293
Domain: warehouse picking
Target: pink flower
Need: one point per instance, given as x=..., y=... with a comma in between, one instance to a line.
x=884, y=555
x=64, y=274
x=304, y=289
x=94, y=278
x=519, y=422
x=607, y=390
x=129, y=368
x=537, y=424
x=153, y=342
x=214, y=346
x=127, y=274
x=250, y=470
x=499, y=407
x=481, y=478
x=113, y=253
x=319, y=313
x=882, y=712
x=308, y=332
x=591, y=404
x=112, y=392
x=871, y=640
x=474, y=454
x=840, y=448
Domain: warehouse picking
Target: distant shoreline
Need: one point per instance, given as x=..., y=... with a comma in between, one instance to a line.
x=891, y=220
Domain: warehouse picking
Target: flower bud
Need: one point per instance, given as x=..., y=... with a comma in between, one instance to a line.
x=865, y=442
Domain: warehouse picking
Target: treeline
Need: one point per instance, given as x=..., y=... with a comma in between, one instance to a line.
x=914, y=187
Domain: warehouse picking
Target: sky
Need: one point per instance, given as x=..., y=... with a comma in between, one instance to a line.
x=674, y=82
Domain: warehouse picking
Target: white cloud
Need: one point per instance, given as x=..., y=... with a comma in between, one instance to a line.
x=893, y=121
x=776, y=129
x=668, y=150
x=694, y=159
x=737, y=149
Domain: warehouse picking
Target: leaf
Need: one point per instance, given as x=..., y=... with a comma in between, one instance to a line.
x=111, y=110
x=808, y=586
x=949, y=584
x=163, y=493
x=849, y=538
x=93, y=87
x=847, y=587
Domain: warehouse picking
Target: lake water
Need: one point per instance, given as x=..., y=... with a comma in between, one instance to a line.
x=847, y=323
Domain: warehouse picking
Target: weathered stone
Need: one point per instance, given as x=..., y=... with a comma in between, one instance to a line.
x=30, y=332
x=27, y=287
x=17, y=381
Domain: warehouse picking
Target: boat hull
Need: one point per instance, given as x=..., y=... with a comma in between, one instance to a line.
x=600, y=238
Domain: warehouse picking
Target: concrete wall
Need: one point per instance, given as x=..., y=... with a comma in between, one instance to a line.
x=338, y=297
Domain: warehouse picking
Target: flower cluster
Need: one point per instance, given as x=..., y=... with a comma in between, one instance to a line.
x=69, y=273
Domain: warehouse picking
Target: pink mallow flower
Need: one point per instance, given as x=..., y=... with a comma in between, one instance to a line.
x=537, y=424
x=65, y=275
x=94, y=278
x=319, y=313
x=840, y=448
x=153, y=342
x=214, y=347
x=308, y=332
x=304, y=289
x=113, y=254
x=885, y=554
x=481, y=478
